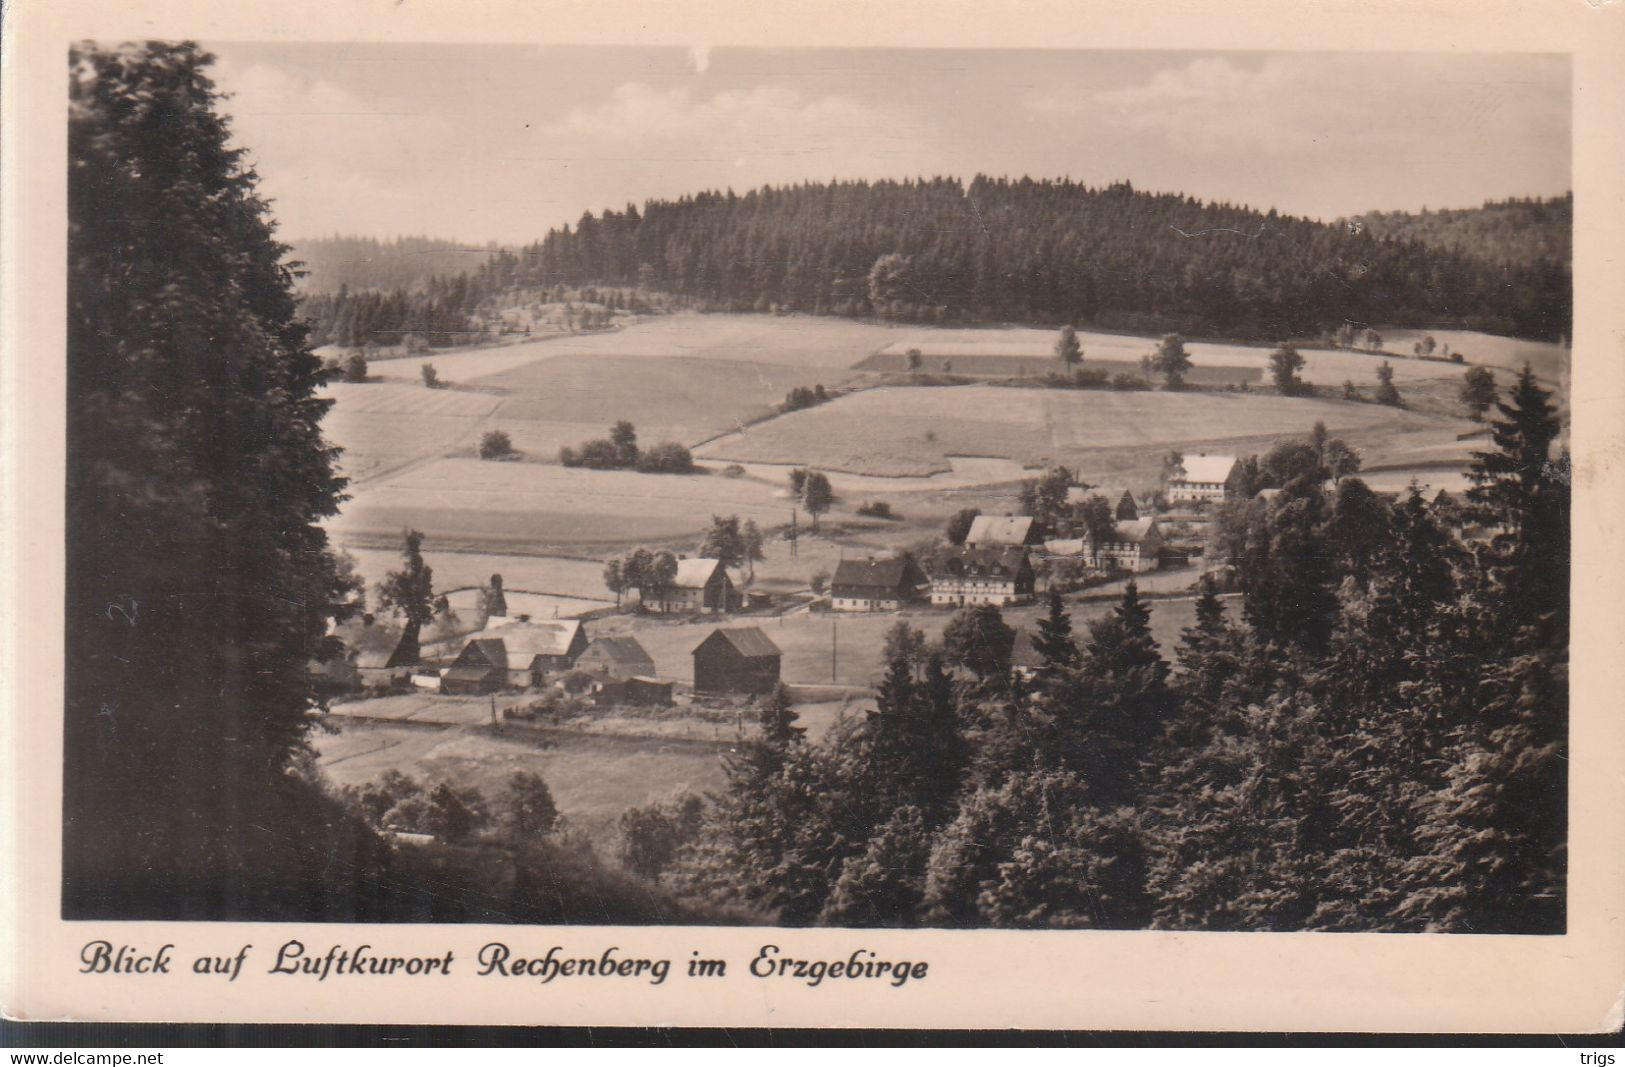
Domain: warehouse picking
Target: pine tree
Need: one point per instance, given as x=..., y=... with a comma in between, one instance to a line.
x=1067, y=348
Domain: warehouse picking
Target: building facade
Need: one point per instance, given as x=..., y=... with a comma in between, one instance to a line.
x=1201, y=478
x=982, y=576
x=702, y=586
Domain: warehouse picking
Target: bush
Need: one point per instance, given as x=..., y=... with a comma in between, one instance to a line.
x=355, y=368
x=876, y=509
x=733, y=470
x=431, y=377
x=1129, y=383
x=495, y=445
x=668, y=457
x=652, y=836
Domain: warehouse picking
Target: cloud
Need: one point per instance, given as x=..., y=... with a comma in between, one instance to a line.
x=742, y=123
x=1286, y=103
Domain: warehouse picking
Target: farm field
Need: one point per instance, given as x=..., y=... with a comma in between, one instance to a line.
x=1324, y=366
x=593, y=777
x=468, y=502
x=1026, y=364
x=1549, y=359
x=554, y=575
x=912, y=431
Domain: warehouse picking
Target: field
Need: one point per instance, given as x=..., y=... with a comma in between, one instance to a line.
x=471, y=503
x=1020, y=364
x=912, y=432
x=925, y=450
x=593, y=777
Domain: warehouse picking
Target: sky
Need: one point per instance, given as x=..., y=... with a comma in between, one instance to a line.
x=502, y=143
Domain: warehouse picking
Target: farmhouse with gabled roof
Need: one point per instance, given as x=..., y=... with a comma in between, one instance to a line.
x=701, y=585
x=876, y=585
x=617, y=657
x=1134, y=546
x=1201, y=477
x=981, y=576
x=481, y=667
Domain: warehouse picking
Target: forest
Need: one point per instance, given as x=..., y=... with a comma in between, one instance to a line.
x=1521, y=232
x=1001, y=250
x=328, y=263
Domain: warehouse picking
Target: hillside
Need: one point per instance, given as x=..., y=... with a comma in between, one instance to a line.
x=999, y=250
x=1525, y=232
x=368, y=263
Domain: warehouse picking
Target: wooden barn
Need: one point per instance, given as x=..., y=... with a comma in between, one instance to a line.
x=876, y=585
x=619, y=657
x=743, y=660
x=482, y=667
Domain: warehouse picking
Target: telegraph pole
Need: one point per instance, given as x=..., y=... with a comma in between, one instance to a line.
x=794, y=534
x=833, y=625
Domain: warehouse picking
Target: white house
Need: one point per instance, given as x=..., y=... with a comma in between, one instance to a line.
x=1134, y=546
x=1201, y=477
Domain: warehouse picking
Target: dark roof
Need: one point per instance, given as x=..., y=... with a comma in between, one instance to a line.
x=887, y=574
x=490, y=648
x=621, y=655
x=994, y=562
x=748, y=641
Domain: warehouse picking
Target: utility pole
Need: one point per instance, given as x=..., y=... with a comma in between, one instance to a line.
x=794, y=534
x=833, y=642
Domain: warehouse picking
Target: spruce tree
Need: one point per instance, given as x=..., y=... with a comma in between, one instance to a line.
x=1054, y=641
x=199, y=581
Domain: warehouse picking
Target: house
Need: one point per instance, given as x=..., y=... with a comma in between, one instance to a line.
x=701, y=585
x=1124, y=507
x=539, y=648
x=982, y=576
x=1134, y=546
x=619, y=657
x=993, y=531
x=481, y=667
x=635, y=692
x=876, y=585
x=1201, y=477
x=742, y=660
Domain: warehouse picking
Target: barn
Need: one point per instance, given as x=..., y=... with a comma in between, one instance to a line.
x=482, y=667
x=619, y=657
x=539, y=648
x=742, y=660
x=876, y=585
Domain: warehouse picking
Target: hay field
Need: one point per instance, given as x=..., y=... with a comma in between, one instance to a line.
x=383, y=425
x=911, y=432
x=1323, y=366
x=1027, y=365
x=1549, y=359
x=468, y=503
x=554, y=575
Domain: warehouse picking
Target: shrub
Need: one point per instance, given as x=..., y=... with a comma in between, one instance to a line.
x=668, y=457
x=568, y=457
x=495, y=445
x=1129, y=383
x=431, y=377
x=355, y=368
x=733, y=470
x=876, y=509
x=820, y=582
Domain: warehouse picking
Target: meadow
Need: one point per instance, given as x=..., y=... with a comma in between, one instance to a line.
x=912, y=432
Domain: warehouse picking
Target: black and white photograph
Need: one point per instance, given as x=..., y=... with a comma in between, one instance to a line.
x=866, y=487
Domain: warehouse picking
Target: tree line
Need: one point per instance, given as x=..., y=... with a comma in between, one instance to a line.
x=1375, y=741
x=999, y=249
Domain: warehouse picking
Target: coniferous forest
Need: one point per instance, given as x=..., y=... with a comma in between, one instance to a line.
x=1003, y=250
x=1366, y=728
